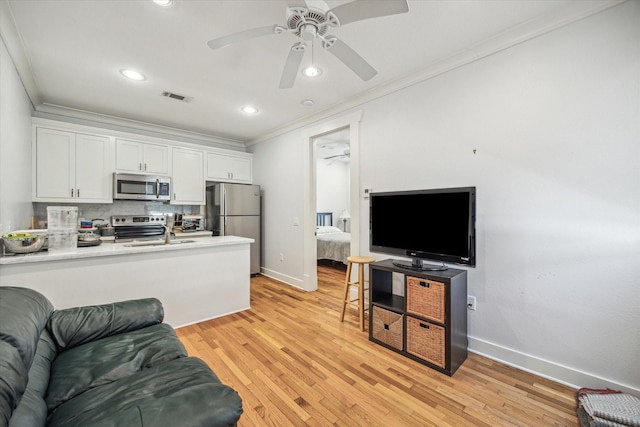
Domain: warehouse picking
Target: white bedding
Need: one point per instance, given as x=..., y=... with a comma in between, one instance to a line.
x=333, y=244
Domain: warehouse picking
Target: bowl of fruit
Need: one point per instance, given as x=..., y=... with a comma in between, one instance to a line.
x=23, y=243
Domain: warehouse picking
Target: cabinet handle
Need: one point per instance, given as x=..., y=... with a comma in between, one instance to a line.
x=231, y=175
x=145, y=167
x=139, y=166
x=425, y=284
x=77, y=192
x=424, y=325
x=72, y=192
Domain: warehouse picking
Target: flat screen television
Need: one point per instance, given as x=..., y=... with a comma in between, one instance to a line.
x=436, y=225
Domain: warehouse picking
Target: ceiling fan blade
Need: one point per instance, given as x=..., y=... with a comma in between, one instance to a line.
x=350, y=57
x=292, y=65
x=297, y=4
x=359, y=10
x=242, y=36
x=346, y=156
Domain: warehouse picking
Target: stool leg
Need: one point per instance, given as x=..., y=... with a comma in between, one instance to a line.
x=361, y=294
x=346, y=291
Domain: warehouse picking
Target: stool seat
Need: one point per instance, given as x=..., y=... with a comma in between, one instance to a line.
x=361, y=261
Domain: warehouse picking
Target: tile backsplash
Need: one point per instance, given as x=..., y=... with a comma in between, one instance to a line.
x=90, y=211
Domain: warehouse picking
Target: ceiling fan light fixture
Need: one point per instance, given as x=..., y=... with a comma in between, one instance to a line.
x=163, y=3
x=312, y=71
x=249, y=109
x=133, y=74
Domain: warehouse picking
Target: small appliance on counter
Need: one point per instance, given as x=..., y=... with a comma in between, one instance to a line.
x=187, y=223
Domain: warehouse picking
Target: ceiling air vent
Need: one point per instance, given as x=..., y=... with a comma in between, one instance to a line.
x=177, y=97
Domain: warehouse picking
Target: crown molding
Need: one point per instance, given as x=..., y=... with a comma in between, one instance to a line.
x=570, y=13
x=15, y=46
x=71, y=115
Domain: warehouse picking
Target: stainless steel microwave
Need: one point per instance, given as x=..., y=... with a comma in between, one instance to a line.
x=141, y=187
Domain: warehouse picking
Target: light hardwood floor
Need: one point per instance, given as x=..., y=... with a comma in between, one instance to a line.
x=294, y=363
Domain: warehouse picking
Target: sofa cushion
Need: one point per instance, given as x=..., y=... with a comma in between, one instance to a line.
x=32, y=410
x=109, y=359
x=23, y=315
x=74, y=326
x=183, y=392
x=13, y=380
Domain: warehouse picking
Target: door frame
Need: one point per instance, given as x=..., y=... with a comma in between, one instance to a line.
x=309, y=135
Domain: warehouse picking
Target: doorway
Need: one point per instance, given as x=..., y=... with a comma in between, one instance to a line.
x=311, y=136
x=333, y=202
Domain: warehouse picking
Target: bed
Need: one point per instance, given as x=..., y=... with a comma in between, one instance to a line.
x=333, y=243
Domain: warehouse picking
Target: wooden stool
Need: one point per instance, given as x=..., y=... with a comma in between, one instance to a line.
x=360, y=284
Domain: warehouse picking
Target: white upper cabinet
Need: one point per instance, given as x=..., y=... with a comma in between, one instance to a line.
x=187, y=179
x=229, y=168
x=141, y=157
x=71, y=167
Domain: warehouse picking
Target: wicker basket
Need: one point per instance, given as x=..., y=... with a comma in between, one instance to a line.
x=426, y=298
x=426, y=340
x=387, y=327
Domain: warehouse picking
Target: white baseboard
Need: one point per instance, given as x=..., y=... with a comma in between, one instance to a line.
x=544, y=368
x=292, y=281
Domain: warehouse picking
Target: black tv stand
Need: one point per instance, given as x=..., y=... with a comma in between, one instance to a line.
x=418, y=265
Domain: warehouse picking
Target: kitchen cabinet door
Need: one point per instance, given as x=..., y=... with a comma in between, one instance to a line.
x=93, y=175
x=71, y=167
x=188, y=177
x=54, y=165
x=229, y=168
x=156, y=159
x=139, y=157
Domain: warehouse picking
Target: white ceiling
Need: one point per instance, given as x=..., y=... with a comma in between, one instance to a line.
x=75, y=49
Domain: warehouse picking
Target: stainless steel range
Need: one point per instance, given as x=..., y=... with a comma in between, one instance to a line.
x=138, y=227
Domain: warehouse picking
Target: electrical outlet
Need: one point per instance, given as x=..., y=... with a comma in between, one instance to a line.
x=471, y=302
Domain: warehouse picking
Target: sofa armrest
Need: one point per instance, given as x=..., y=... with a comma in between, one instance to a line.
x=74, y=326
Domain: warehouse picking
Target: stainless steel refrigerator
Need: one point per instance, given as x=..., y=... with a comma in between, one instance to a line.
x=234, y=210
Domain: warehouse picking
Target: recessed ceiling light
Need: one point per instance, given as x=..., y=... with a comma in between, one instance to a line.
x=307, y=102
x=311, y=71
x=163, y=3
x=133, y=75
x=249, y=109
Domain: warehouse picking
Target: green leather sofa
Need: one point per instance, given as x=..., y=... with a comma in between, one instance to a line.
x=108, y=365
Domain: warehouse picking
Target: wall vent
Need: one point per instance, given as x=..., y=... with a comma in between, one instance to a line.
x=177, y=97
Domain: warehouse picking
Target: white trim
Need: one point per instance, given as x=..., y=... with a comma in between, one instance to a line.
x=15, y=46
x=291, y=281
x=513, y=37
x=544, y=368
x=352, y=121
x=123, y=128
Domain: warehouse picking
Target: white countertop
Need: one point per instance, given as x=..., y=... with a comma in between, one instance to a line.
x=110, y=249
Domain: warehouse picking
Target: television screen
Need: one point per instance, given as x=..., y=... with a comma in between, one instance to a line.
x=434, y=224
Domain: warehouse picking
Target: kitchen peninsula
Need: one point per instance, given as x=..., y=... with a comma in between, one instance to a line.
x=199, y=280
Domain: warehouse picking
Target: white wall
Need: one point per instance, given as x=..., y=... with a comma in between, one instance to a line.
x=555, y=123
x=15, y=147
x=332, y=189
x=279, y=173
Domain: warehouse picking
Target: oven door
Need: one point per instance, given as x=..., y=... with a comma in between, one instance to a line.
x=133, y=232
x=141, y=187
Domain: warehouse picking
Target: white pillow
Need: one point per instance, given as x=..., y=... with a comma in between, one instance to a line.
x=325, y=229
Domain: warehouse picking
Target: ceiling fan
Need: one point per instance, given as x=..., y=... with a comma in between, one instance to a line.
x=346, y=154
x=309, y=24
